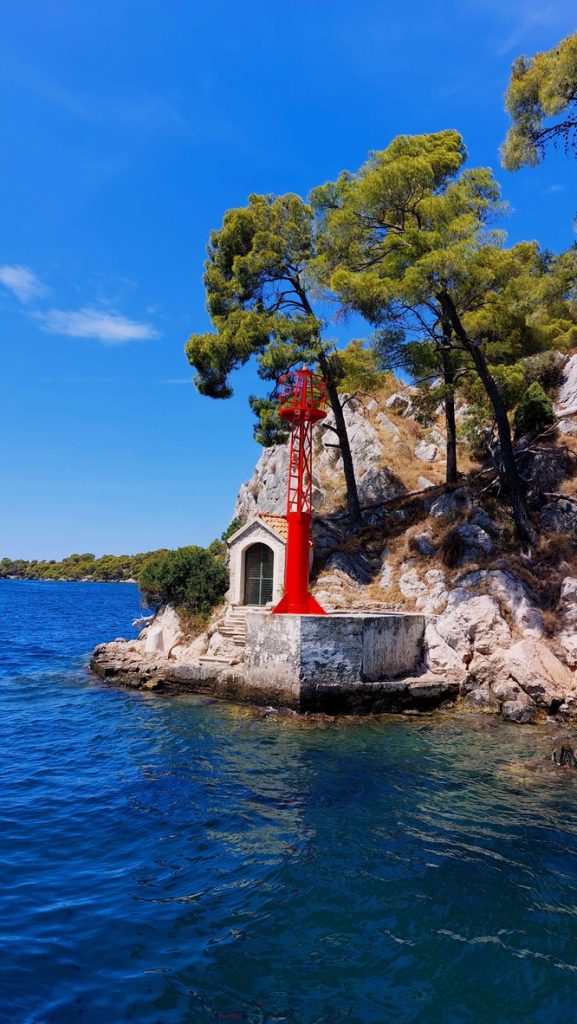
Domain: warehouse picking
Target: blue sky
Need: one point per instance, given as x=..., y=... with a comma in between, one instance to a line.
x=128, y=129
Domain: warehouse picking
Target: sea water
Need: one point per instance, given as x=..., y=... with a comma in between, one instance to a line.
x=181, y=860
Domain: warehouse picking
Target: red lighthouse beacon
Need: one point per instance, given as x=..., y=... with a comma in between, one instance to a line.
x=302, y=401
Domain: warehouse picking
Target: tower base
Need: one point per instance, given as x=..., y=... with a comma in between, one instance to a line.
x=306, y=605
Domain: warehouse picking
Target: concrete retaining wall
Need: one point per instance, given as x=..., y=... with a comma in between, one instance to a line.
x=317, y=660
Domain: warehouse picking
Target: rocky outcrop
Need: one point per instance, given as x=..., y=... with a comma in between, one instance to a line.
x=566, y=404
x=266, y=489
x=163, y=634
x=560, y=516
x=485, y=642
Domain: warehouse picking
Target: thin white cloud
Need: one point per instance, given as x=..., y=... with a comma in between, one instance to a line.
x=103, y=325
x=554, y=188
x=22, y=282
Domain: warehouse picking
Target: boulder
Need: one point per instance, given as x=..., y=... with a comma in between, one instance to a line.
x=358, y=567
x=538, y=672
x=567, y=635
x=426, y=451
x=482, y=519
x=437, y=438
x=521, y=711
x=164, y=633
x=473, y=541
x=473, y=623
x=423, y=483
x=560, y=516
x=450, y=505
x=434, y=599
x=387, y=424
x=400, y=403
x=424, y=544
x=512, y=595
x=481, y=699
x=411, y=586
x=378, y=484
x=439, y=657
x=564, y=750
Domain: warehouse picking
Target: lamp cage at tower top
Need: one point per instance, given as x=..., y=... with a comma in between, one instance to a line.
x=302, y=394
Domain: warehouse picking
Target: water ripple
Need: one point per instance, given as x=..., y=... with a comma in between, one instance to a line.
x=177, y=860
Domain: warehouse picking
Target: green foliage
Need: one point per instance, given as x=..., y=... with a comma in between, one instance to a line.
x=476, y=430
x=189, y=578
x=256, y=295
x=426, y=401
x=232, y=527
x=542, y=101
x=357, y=367
x=77, y=567
x=546, y=368
x=218, y=547
x=534, y=412
x=269, y=429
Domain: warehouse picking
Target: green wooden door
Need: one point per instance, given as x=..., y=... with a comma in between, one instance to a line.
x=258, y=574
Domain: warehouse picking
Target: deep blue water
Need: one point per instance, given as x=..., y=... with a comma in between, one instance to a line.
x=177, y=860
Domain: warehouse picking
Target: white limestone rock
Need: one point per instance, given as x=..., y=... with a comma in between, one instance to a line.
x=387, y=424
x=191, y=652
x=400, y=402
x=437, y=438
x=434, y=601
x=439, y=657
x=472, y=622
x=450, y=505
x=512, y=594
x=378, y=484
x=266, y=489
x=522, y=710
x=164, y=633
x=567, y=636
x=426, y=451
x=567, y=395
x=541, y=675
x=482, y=699
x=411, y=586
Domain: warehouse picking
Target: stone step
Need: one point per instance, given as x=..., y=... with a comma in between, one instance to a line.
x=213, y=659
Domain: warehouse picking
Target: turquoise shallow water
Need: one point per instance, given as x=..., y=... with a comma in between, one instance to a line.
x=176, y=860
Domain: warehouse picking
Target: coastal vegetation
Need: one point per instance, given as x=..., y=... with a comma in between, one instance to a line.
x=409, y=243
x=263, y=301
x=191, y=579
x=542, y=101
x=108, y=568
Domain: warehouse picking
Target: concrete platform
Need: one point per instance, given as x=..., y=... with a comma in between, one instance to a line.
x=331, y=662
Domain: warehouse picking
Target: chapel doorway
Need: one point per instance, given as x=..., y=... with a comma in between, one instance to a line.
x=258, y=574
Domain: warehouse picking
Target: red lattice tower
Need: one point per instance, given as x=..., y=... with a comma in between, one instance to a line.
x=302, y=402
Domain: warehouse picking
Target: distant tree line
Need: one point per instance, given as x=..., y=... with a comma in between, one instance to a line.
x=86, y=566
x=193, y=579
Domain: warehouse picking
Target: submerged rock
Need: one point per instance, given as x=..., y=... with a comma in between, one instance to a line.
x=564, y=750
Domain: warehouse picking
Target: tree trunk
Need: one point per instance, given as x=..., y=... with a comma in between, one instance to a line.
x=523, y=524
x=345, y=448
x=451, y=424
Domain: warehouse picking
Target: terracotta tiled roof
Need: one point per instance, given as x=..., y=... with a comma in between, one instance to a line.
x=276, y=523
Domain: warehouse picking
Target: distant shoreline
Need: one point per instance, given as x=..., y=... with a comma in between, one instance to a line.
x=59, y=579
